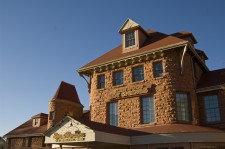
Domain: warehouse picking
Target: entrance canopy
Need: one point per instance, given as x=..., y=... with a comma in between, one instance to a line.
x=70, y=132
x=75, y=132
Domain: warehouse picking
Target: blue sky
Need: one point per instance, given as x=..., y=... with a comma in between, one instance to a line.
x=44, y=42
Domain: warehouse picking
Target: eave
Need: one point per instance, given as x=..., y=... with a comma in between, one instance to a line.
x=124, y=61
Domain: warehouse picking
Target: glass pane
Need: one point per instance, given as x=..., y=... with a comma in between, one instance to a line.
x=158, y=69
x=113, y=113
x=212, y=110
x=182, y=107
x=138, y=73
x=148, y=112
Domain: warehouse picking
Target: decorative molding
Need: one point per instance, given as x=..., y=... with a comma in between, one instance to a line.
x=154, y=53
x=129, y=91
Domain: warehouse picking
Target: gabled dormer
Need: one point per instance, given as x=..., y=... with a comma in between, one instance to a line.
x=39, y=119
x=133, y=36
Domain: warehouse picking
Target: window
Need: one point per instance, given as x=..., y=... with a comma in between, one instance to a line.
x=129, y=39
x=113, y=113
x=118, y=78
x=148, y=112
x=138, y=73
x=101, y=81
x=158, y=69
x=212, y=111
x=182, y=102
x=36, y=121
x=52, y=115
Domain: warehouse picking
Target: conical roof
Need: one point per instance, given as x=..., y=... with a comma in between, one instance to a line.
x=67, y=92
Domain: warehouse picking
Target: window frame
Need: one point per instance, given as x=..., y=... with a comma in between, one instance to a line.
x=135, y=76
x=52, y=115
x=149, y=111
x=129, y=40
x=113, y=117
x=36, y=121
x=188, y=108
x=115, y=79
x=100, y=82
x=217, y=108
x=157, y=75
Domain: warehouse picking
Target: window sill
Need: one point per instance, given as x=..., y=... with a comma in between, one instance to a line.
x=100, y=89
x=139, y=82
x=160, y=77
x=116, y=86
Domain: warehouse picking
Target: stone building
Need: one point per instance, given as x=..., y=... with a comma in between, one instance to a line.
x=154, y=91
x=30, y=135
x=158, y=84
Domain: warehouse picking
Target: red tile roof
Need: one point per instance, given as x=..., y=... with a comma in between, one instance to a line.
x=158, y=129
x=177, y=128
x=40, y=115
x=109, y=128
x=68, y=92
x=155, y=41
x=212, y=78
x=28, y=129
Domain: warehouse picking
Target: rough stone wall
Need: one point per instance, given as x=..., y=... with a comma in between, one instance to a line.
x=163, y=89
x=63, y=108
x=37, y=142
x=23, y=143
x=184, y=82
x=221, y=100
x=15, y=143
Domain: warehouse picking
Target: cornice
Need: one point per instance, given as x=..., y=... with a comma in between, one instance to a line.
x=130, y=60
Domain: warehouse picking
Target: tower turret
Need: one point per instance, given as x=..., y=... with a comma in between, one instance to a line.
x=64, y=102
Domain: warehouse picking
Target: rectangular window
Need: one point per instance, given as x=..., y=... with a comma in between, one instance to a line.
x=113, y=113
x=138, y=73
x=52, y=115
x=36, y=121
x=183, y=110
x=101, y=81
x=212, y=110
x=129, y=39
x=118, y=78
x=158, y=69
x=148, y=112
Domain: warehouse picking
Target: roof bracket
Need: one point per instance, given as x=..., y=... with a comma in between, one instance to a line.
x=88, y=82
x=182, y=60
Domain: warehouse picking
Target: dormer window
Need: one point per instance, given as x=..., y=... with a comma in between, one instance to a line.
x=133, y=36
x=36, y=122
x=129, y=39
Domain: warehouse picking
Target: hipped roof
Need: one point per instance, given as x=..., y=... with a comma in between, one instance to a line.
x=67, y=92
x=212, y=78
x=155, y=41
x=28, y=129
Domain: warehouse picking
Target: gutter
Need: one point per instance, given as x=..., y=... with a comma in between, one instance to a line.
x=24, y=135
